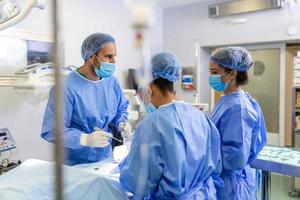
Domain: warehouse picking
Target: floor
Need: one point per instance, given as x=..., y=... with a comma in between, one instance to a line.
x=280, y=186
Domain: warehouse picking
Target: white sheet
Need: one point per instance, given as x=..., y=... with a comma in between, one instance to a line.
x=34, y=179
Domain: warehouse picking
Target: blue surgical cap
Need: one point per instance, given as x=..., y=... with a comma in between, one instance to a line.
x=94, y=43
x=236, y=58
x=165, y=65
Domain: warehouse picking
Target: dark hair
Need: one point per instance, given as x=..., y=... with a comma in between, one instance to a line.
x=241, y=77
x=164, y=85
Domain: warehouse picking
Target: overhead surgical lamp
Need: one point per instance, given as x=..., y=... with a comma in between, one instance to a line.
x=11, y=12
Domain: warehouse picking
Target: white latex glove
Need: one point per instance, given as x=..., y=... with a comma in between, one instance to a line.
x=119, y=153
x=98, y=138
x=126, y=130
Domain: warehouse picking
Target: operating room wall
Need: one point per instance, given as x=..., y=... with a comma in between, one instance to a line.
x=38, y=20
x=111, y=17
x=22, y=114
x=106, y=16
x=183, y=24
x=21, y=108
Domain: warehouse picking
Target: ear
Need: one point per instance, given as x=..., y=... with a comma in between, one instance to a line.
x=233, y=74
x=91, y=59
x=154, y=90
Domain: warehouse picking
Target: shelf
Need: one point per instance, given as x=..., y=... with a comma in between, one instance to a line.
x=297, y=131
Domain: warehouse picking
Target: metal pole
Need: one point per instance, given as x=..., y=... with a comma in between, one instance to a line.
x=58, y=151
x=197, y=73
x=266, y=185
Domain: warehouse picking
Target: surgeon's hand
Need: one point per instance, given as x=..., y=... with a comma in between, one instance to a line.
x=98, y=138
x=119, y=153
x=126, y=130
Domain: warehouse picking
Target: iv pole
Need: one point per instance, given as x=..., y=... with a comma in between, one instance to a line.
x=58, y=151
x=196, y=96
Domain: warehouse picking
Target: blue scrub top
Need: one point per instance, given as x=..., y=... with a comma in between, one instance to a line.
x=87, y=104
x=175, y=154
x=240, y=121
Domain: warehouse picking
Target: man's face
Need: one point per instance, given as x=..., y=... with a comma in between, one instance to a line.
x=107, y=53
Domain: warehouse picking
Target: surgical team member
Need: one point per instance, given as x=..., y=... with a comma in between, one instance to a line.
x=175, y=151
x=239, y=120
x=92, y=99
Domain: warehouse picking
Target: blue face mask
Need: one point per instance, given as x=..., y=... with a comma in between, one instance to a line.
x=216, y=83
x=150, y=108
x=105, y=69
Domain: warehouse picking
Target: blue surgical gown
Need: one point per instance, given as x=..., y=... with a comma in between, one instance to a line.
x=175, y=154
x=87, y=104
x=241, y=124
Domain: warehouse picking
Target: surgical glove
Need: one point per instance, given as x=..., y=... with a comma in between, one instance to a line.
x=119, y=153
x=126, y=130
x=98, y=138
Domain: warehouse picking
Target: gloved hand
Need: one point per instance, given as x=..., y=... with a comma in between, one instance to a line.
x=126, y=130
x=119, y=153
x=98, y=138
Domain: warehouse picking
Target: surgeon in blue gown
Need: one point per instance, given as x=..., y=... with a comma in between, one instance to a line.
x=175, y=153
x=92, y=99
x=239, y=120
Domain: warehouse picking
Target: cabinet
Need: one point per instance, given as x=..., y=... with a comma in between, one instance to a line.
x=295, y=181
